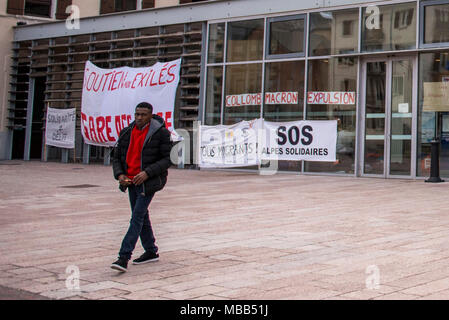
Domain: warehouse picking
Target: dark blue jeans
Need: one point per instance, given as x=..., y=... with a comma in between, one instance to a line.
x=139, y=225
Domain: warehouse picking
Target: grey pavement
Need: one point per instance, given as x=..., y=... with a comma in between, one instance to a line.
x=224, y=235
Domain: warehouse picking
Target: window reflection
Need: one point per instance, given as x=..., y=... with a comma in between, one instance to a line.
x=245, y=40
x=393, y=27
x=436, y=19
x=213, y=95
x=286, y=36
x=243, y=94
x=216, y=41
x=334, y=32
x=337, y=75
x=284, y=91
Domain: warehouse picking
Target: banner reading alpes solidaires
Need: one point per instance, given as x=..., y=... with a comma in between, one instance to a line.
x=111, y=95
x=314, y=140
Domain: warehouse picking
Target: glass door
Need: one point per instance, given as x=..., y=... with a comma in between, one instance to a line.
x=388, y=117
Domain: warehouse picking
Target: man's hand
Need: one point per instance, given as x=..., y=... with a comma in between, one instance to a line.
x=140, y=178
x=124, y=180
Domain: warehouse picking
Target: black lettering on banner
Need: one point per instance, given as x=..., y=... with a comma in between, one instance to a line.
x=306, y=134
x=291, y=132
x=281, y=135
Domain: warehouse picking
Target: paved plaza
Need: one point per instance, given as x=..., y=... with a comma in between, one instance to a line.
x=224, y=235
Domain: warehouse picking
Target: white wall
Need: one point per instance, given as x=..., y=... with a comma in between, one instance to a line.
x=88, y=8
x=165, y=3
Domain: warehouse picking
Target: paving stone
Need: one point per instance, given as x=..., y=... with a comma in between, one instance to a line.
x=226, y=235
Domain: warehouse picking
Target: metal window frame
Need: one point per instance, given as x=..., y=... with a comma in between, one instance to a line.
x=267, y=37
x=356, y=34
x=362, y=33
x=422, y=19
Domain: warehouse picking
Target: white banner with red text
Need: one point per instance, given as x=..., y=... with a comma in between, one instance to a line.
x=110, y=97
x=248, y=142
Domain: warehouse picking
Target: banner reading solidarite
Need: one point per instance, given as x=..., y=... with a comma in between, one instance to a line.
x=110, y=97
x=60, y=128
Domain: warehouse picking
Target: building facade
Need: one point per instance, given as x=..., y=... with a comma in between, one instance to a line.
x=380, y=68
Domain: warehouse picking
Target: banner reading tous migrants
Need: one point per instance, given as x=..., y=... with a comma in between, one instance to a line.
x=300, y=140
x=229, y=146
x=110, y=97
x=60, y=128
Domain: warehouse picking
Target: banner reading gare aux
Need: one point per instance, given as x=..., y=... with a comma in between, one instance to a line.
x=111, y=95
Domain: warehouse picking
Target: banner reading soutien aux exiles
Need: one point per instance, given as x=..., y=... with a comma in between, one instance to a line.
x=248, y=142
x=110, y=97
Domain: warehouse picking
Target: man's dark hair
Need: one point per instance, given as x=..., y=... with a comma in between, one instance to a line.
x=145, y=105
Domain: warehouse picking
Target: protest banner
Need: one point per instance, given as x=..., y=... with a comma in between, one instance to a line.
x=314, y=140
x=60, y=128
x=229, y=146
x=111, y=95
x=248, y=142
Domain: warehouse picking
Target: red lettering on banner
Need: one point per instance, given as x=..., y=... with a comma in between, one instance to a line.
x=167, y=116
x=114, y=81
x=108, y=129
x=83, y=122
x=161, y=75
x=283, y=98
x=351, y=98
x=106, y=80
x=152, y=84
x=100, y=127
x=87, y=83
x=295, y=98
x=337, y=97
x=99, y=83
x=149, y=73
x=134, y=81
x=118, y=125
x=142, y=78
x=173, y=77
x=123, y=120
x=92, y=132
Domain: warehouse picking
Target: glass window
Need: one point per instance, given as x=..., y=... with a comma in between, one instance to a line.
x=213, y=95
x=216, y=41
x=433, y=75
x=390, y=27
x=436, y=19
x=245, y=40
x=332, y=95
x=243, y=92
x=286, y=36
x=38, y=8
x=334, y=32
x=284, y=91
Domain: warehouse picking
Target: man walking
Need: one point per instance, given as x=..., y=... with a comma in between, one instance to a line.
x=140, y=162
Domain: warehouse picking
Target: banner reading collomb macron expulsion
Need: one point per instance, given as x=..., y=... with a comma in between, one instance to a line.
x=111, y=95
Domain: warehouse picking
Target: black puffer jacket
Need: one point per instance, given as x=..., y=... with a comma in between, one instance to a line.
x=155, y=155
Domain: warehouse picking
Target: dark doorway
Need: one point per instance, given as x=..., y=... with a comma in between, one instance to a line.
x=38, y=118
